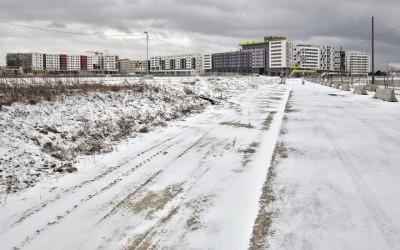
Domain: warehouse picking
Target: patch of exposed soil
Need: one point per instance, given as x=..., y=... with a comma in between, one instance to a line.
x=237, y=124
x=248, y=152
x=262, y=225
x=267, y=122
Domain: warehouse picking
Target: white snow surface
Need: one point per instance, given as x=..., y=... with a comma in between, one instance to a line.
x=196, y=183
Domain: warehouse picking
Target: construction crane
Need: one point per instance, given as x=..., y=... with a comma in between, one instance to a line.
x=95, y=52
x=97, y=62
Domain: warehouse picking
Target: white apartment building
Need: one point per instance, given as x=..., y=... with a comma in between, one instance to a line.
x=90, y=63
x=327, y=62
x=73, y=62
x=52, y=62
x=207, y=62
x=110, y=63
x=280, y=54
x=356, y=62
x=307, y=56
x=188, y=64
x=37, y=61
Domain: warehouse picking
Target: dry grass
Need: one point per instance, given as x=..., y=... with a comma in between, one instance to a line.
x=34, y=93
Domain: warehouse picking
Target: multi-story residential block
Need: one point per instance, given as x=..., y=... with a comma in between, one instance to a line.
x=33, y=62
x=235, y=61
x=352, y=62
x=356, y=62
x=127, y=66
x=241, y=61
x=277, y=52
x=307, y=56
x=207, y=62
x=110, y=63
x=188, y=64
x=84, y=62
x=37, y=62
x=338, y=61
x=73, y=62
x=52, y=62
x=327, y=62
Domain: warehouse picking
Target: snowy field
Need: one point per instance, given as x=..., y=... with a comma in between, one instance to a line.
x=271, y=166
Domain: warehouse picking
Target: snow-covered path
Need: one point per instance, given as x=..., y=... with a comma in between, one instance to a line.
x=193, y=185
x=339, y=186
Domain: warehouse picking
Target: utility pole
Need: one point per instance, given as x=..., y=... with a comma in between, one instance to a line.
x=147, y=52
x=373, y=52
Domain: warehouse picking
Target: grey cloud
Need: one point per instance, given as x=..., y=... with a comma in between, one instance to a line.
x=56, y=25
x=208, y=24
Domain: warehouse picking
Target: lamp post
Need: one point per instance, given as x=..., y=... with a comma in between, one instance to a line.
x=147, y=52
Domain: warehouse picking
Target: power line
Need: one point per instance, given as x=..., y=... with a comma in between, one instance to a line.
x=387, y=31
x=379, y=34
x=176, y=45
x=102, y=35
x=68, y=32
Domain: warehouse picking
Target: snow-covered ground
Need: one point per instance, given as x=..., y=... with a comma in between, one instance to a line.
x=38, y=141
x=273, y=166
x=339, y=186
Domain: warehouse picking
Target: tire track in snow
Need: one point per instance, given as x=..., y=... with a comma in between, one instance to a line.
x=64, y=214
x=384, y=223
x=144, y=240
x=25, y=215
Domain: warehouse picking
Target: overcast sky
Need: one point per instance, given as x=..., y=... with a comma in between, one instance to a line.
x=204, y=26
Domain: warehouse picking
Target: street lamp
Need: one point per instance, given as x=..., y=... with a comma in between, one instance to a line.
x=147, y=52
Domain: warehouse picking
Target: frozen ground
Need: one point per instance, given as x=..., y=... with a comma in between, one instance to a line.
x=280, y=166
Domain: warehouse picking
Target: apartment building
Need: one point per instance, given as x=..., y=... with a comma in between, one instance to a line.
x=34, y=62
x=241, y=61
x=127, y=66
x=37, y=62
x=188, y=64
x=356, y=62
x=84, y=62
x=327, y=62
x=339, y=61
x=207, y=62
x=307, y=56
x=73, y=62
x=280, y=54
x=52, y=62
x=109, y=64
x=235, y=61
x=277, y=53
x=352, y=62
